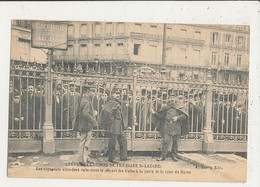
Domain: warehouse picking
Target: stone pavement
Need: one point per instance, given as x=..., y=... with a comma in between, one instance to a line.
x=190, y=167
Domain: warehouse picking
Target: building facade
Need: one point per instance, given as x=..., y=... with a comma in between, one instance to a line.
x=224, y=48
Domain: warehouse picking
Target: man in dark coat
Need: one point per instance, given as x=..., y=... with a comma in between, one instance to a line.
x=17, y=114
x=71, y=101
x=57, y=109
x=172, y=122
x=115, y=126
x=84, y=122
x=34, y=108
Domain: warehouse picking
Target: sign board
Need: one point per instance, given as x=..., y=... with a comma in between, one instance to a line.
x=49, y=35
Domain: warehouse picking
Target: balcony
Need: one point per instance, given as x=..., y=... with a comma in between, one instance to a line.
x=103, y=57
x=215, y=45
x=169, y=38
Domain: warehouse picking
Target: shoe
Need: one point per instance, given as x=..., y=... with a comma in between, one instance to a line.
x=82, y=164
x=160, y=159
x=90, y=161
x=113, y=161
x=174, y=158
x=127, y=158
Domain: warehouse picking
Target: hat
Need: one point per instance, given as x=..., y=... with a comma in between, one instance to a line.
x=115, y=90
x=16, y=94
x=87, y=87
x=71, y=83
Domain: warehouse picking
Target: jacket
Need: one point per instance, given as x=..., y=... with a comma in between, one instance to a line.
x=85, y=120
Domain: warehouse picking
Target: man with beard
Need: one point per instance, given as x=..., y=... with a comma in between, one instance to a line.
x=111, y=119
x=84, y=122
x=172, y=122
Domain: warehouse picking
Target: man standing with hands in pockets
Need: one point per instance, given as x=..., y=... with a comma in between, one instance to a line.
x=84, y=123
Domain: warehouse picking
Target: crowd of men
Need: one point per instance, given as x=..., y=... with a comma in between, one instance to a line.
x=86, y=107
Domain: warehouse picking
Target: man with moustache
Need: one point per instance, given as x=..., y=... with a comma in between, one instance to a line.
x=111, y=119
x=172, y=122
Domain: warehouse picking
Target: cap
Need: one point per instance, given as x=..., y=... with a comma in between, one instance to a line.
x=71, y=83
x=16, y=94
x=115, y=90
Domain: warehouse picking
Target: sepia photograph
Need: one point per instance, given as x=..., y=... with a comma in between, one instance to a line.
x=128, y=100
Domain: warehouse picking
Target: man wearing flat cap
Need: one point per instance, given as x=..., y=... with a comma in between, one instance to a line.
x=172, y=122
x=84, y=122
x=111, y=119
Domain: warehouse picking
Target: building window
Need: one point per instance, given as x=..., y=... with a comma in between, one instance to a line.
x=138, y=27
x=153, y=29
x=96, y=49
x=97, y=29
x=83, y=29
x=120, y=49
x=70, y=30
x=183, y=54
x=215, y=38
x=120, y=28
x=137, y=49
x=153, y=50
x=109, y=29
x=83, y=49
x=239, y=57
x=183, y=33
x=228, y=38
x=197, y=56
x=240, y=41
x=108, y=49
x=197, y=35
x=226, y=77
x=239, y=79
x=214, y=58
x=181, y=76
x=226, y=61
x=24, y=49
x=214, y=77
x=70, y=50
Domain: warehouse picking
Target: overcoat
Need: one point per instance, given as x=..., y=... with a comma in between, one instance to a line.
x=84, y=120
x=163, y=120
x=112, y=117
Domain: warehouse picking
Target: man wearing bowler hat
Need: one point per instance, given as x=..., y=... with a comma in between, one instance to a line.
x=84, y=122
x=115, y=125
x=172, y=122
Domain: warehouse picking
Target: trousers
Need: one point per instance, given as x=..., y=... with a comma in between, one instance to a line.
x=122, y=141
x=84, y=146
x=166, y=142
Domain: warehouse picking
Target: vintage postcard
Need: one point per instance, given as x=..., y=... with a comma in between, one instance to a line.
x=128, y=100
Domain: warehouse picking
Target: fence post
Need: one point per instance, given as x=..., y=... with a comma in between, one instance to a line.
x=134, y=111
x=48, y=131
x=208, y=145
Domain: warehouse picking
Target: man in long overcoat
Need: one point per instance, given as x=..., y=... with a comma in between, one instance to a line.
x=71, y=101
x=172, y=122
x=115, y=126
x=84, y=122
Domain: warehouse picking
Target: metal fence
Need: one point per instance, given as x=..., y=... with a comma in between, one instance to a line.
x=138, y=94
